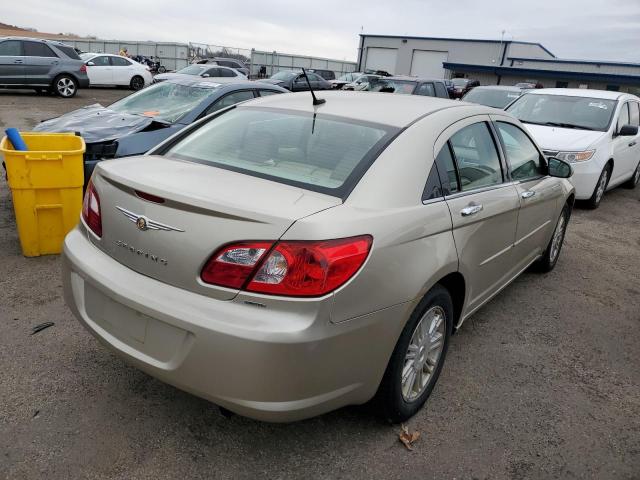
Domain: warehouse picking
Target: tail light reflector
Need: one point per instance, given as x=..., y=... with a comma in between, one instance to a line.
x=288, y=268
x=91, y=210
x=83, y=68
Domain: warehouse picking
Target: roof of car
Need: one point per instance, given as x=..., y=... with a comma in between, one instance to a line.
x=506, y=88
x=394, y=110
x=32, y=39
x=578, y=92
x=413, y=79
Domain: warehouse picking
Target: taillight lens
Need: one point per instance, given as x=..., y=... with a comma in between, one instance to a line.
x=290, y=268
x=83, y=68
x=91, y=210
x=232, y=265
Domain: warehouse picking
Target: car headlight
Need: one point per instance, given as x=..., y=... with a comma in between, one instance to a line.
x=574, y=157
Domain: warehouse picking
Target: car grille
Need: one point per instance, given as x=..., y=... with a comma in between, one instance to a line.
x=550, y=153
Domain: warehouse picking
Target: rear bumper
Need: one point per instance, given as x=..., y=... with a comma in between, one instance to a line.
x=83, y=81
x=264, y=363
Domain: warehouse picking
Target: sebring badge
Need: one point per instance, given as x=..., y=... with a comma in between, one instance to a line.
x=143, y=223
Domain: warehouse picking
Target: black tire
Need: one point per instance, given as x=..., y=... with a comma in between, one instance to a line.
x=596, y=197
x=634, y=180
x=65, y=86
x=390, y=400
x=550, y=257
x=136, y=83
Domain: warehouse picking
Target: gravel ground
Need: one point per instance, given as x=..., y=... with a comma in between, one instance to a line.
x=543, y=382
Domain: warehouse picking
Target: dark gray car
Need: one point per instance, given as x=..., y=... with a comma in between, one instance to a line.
x=134, y=124
x=42, y=65
x=295, y=81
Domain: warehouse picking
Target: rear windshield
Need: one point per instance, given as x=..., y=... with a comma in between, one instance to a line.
x=491, y=97
x=317, y=152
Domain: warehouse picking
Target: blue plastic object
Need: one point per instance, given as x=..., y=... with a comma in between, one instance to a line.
x=16, y=139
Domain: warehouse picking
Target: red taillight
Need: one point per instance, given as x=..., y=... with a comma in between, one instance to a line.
x=232, y=265
x=291, y=268
x=91, y=210
x=83, y=68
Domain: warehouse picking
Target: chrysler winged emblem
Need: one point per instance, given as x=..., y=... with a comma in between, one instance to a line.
x=143, y=223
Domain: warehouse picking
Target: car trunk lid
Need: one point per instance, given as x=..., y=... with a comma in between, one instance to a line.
x=202, y=208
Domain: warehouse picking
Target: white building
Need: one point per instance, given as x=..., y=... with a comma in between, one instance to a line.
x=491, y=62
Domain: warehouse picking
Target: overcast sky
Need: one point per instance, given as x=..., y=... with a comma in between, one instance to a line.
x=587, y=29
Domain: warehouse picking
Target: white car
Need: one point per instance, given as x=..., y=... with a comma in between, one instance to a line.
x=215, y=73
x=361, y=83
x=595, y=130
x=108, y=69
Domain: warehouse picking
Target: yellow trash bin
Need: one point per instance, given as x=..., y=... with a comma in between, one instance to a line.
x=46, y=184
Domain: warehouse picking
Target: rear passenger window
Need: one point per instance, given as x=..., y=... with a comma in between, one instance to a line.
x=634, y=113
x=426, y=89
x=476, y=157
x=37, y=49
x=224, y=72
x=120, y=62
x=447, y=170
x=433, y=189
x=266, y=93
x=441, y=90
x=212, y=72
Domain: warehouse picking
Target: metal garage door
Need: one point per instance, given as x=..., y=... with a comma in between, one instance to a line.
x=382, y=59
x=428, y=63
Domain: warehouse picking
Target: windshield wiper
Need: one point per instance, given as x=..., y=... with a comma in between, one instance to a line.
x=567, y=125
x=558, y=124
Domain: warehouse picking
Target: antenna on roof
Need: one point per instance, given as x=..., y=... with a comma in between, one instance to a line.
x=316, y=101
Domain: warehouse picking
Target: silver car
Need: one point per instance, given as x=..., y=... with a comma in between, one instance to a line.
x=283, y=259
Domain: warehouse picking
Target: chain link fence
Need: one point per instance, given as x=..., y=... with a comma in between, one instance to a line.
x=263, y=64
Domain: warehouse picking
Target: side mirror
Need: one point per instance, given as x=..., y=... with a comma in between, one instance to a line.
x=90, y=64
x=559, y=168
x=205, y=75
x=628, y=131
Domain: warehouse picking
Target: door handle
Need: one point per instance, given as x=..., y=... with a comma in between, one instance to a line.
x=528, y=194
x=470, y=210
x=632, y=144
x=17, y=61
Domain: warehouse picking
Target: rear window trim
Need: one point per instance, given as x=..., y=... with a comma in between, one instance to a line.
x=342, y=191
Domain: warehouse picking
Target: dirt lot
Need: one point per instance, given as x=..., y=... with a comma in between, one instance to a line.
x=544, y=382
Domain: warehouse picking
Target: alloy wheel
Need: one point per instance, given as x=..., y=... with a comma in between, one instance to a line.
x=137, y=83
x=558, y=235
x=66, y=87
x=423, y=353
x=602, y=185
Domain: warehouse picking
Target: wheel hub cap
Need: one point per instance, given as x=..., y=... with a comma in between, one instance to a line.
x=423, y=353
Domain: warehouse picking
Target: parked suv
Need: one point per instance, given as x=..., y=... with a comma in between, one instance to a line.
x=594, y=130
x=42, y=65
x=226, y=62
